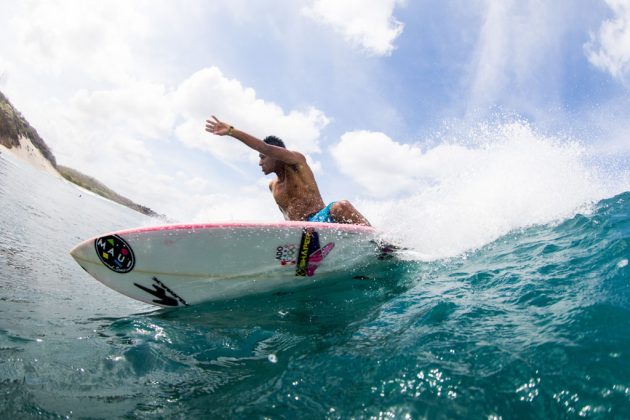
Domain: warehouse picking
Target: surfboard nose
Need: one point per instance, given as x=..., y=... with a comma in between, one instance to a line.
x=74, y=252
x=80, y=252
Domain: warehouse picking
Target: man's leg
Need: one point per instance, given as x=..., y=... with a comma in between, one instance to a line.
x=344, y=212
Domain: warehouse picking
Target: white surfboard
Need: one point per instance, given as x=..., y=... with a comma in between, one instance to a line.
x=181, y=265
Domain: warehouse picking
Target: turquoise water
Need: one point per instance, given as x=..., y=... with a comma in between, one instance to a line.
x=533, y=325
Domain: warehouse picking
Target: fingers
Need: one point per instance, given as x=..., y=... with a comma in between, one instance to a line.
x=210, y=126
x=216, y=127
x=214, y=124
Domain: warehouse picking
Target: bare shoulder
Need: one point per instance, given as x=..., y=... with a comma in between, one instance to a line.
x=297, y=157
x=272, y=184
x=290, y=157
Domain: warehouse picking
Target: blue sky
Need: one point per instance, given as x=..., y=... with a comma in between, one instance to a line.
x=372, y=91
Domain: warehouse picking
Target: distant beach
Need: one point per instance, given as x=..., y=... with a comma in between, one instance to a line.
x=27, y=152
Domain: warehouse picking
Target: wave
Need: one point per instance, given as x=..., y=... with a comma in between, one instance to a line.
x=494, y=179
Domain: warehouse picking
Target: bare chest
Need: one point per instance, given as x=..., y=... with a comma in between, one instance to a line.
x=283, y=193
x=296, y=201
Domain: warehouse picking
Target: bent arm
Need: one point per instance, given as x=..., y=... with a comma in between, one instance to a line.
x=221, y=128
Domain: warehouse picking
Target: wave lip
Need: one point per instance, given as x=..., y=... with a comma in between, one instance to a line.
x=503, y=178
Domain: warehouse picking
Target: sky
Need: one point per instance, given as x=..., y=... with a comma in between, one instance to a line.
x=388, y=99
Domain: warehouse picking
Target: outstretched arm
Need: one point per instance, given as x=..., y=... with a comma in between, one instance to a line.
x=221, y=128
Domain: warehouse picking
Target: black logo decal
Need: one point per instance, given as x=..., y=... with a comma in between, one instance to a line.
x=308, y=244
x=115, y=253
x=165, y=296
x=310, y=254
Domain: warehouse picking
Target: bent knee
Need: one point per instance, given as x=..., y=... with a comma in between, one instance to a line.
x=342, y=205
x=342, y=210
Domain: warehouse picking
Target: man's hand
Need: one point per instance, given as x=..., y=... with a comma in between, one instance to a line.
x=217, y=127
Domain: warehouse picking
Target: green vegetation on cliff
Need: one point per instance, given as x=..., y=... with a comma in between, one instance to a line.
x=14, y=126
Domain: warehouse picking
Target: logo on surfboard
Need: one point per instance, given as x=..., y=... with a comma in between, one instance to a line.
x=310, y=254
x=286, y=254
x=164, y=295
x=307, y=256
x=115, y=253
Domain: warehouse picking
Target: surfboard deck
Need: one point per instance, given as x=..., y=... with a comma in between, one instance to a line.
x=187, y=264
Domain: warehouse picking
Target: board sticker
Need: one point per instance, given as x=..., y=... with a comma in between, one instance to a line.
x=310, y=254
x=165, y=296
x=286, y=254
x=115, y=253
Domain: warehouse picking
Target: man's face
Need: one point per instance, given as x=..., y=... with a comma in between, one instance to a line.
x=267, y=164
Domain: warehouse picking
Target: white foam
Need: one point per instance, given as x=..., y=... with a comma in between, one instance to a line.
x=497, y=179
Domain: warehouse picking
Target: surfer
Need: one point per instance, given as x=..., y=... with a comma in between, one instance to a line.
x=294, y=189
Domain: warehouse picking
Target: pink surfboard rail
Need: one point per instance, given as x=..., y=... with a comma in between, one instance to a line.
x=344, y=227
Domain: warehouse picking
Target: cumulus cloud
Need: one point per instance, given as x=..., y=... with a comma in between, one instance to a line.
x=369, y=24
x=255, y=205
x=609, y=49
x=142, y=108
x=55, y=37
x=376, y=162
x=208, y=92
x=386, y=168
x=96, y=130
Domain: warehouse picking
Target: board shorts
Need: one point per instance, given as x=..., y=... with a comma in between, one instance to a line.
x=322, y=216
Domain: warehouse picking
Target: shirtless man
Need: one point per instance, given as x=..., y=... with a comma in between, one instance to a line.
x=294, y=189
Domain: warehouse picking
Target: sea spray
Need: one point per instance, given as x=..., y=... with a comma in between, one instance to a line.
x=497, y=179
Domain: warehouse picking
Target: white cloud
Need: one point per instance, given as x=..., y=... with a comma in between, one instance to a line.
x=510, y=57
x=367, y=23
x=491, y=54
x=609, y=49
x=376, y=162
x=97, y=130
x=208, y=92
x=250, y=205
x=141, y=108
x=55, y=37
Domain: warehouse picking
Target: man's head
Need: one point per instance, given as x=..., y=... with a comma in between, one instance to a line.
x=274, y=141
x=268, y=164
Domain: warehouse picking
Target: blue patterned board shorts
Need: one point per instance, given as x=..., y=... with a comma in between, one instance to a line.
x=323, y=215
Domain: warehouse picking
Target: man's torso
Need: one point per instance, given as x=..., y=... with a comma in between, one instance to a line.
x=297, y=194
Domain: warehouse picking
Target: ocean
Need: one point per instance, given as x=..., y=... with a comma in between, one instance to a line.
x=531, y=322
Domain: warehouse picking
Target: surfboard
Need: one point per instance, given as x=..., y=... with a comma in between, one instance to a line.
x=187, y=264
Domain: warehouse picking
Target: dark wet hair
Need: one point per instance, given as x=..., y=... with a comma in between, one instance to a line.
x=274, y=141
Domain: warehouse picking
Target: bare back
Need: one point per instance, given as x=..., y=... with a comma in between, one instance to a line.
x=296, y=192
